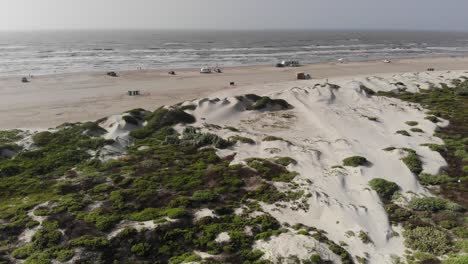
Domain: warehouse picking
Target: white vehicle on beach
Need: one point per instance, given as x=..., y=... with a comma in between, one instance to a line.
x=288, y=64
x=205, y=70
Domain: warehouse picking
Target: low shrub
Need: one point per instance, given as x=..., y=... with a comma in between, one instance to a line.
x=427, y=179
x=461, y=232
x=155, y=213
x=64, y=255
x=432, y=118
x=435, y=147
x=355, y=161
x=366, y=90
x=463, y=259
x=413, y=162
x=272, y=138
x=285, y=161
x=192, y=137
x=266, y=101
x=365, y=237
x=427, y=239
x=23, y=252
x=316, y=259
x=141, y=249
x=412, y=123
x=43, y=138
x=48, y=236
x=271, y=171
x=160, y=118
x=204, y=196
x=185, y=258
x=244, y=140
x=404, y=133
x=432, y=204
x=190, y=107
x=90, y=242
x=130, y=120
x=389, y=149
x=397, y=214
x=416, y=130
x=385, y=189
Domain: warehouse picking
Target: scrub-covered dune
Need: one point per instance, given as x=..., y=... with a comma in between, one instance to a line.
x=344, y=170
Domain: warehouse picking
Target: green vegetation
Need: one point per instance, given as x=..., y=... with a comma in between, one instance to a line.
x=433, y=223
x=161, y=118
x=416, y=130
x=189, y=107
x=131, y=120
x=172, y=177
x=427, y=239
x=316, y=259
x=413, y=162
x=233, y=129
x=335, y=248
x=450, y=103
x=433, y=204
x=271, y=171
x=355, y=161
x=285, y=161
x=427, y=179
x=272, y=138
x=404, y=133
x=367, y=90
x=456, y=260
x=412, y=123
x=9, y=136
x=385, y=189
x=267, y=102
x=255, y=102
x=433, y=119
x=365, y=237
x=192, y=137
x=389, y=149
x=240, y=139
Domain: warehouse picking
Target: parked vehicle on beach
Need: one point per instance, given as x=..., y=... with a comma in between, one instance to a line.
x=205, y=70
x=288, y=64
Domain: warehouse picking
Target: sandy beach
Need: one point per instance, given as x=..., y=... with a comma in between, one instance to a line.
x=48, y=101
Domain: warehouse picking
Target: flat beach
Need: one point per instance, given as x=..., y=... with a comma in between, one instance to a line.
x=50, y=100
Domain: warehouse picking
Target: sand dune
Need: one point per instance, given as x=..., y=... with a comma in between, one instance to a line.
x=327, y=125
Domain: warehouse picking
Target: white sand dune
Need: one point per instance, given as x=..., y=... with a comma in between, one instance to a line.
x=327, y=125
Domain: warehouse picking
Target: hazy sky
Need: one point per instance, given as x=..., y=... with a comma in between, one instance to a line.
x=234, y=14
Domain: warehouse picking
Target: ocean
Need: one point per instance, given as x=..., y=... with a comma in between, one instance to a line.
x=48, y=52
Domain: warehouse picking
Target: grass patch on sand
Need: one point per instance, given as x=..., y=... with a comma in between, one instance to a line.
x=241, y=139
x=412, y=161
x=355, y=161
x=412, y=123
x=385, y=189
x=404, y=133
x=368, y=91
x=416, y=130
x=10, y=136
x=257, y=103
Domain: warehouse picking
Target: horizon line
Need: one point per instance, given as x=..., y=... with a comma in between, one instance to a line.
x=239, y=29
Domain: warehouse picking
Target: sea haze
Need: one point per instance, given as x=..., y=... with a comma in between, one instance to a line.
x=46, y=52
